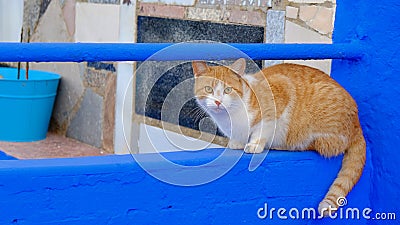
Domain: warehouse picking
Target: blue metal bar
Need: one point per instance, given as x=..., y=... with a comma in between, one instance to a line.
x=91, y=52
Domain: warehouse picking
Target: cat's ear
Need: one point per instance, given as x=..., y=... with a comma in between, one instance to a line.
x=239, y=66
x=199, y=67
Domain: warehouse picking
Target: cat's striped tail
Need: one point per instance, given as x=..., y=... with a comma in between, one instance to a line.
x=352, y=167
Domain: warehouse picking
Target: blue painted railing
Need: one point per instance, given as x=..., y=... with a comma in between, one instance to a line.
x=79, y=52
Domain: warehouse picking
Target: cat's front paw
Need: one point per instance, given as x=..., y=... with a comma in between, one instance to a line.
x=232, y=144
x=253, y=148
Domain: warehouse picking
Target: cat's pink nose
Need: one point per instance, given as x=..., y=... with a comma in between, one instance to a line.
x=217, y=103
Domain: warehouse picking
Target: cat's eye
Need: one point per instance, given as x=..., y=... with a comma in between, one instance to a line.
x=208, y=89
x=228, y=90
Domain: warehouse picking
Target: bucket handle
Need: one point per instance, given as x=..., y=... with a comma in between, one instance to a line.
x=27, y=63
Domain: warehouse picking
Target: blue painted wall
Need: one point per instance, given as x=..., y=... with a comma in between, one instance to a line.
x=115, y=190
x=374, y=83
x=4, y=156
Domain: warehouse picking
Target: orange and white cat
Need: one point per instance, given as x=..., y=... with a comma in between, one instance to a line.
x=285, y=106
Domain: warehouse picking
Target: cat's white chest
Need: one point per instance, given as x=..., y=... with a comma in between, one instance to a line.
x=234, y=125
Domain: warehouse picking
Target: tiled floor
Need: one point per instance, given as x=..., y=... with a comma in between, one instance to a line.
x=54, y=146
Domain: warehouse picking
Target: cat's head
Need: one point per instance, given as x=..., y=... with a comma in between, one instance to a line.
x=219, y=88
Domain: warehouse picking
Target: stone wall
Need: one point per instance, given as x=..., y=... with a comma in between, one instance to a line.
x=310, y=21
x=290, y=21
x=84, y=109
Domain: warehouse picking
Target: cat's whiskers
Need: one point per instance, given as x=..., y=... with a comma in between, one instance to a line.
x=197, y=113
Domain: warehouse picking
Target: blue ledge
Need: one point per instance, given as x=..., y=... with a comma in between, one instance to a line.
x=5, y=156
x=116, y=190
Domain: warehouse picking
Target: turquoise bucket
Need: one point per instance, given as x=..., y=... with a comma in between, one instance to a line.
x=26, y=105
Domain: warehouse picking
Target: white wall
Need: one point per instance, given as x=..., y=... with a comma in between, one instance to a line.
x=11, y=17
x=97, y=22
x=154, y=139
